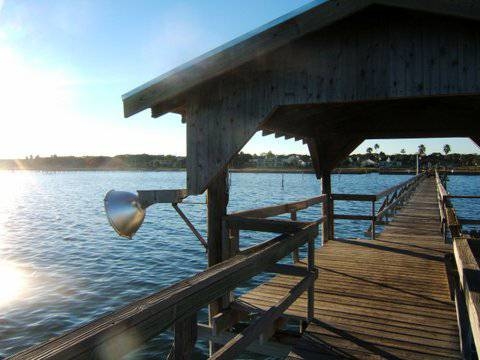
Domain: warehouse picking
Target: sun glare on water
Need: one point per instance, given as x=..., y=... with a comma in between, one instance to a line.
x=12, y=282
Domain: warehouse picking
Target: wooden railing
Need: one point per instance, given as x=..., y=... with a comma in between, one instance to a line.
x=451, y=222
x=393, y=198
x=130, y=327
x=463, y=269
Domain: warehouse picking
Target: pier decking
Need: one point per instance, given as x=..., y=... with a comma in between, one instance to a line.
x=384, y=298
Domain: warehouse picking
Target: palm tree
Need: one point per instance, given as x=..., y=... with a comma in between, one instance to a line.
x=421, y=149
x=402, y=151
x=446, y=149
x=376, y=146
x=369, y=150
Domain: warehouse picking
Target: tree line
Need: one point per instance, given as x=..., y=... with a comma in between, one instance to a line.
x=373, y=156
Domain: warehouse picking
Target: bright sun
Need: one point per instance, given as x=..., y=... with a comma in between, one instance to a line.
x=12, y=282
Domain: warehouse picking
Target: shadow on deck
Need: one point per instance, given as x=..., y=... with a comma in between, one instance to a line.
x=384, y=298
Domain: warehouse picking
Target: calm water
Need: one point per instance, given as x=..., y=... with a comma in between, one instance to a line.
x=62, y=265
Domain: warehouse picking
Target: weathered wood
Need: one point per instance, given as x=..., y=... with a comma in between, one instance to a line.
x=217, y=201
x=128, y=328
x=469, y=277
x=269, y=348
x=226, y=319
x=266, y=225
x=295, y=253
x=383, y=298
x=185, y=337
x=292, y=270
x=276, y=210
x=231, y=108
x=327, y=206
x=354, y=197
x=235, y=346
x=353, y=217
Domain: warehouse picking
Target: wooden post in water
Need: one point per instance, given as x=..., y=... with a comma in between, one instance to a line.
x=373, y=220
x=185, y=338
x=327, y=211
x=217, y=201
x=295, y=253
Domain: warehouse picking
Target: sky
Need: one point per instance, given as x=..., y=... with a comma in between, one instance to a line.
x=65, y=65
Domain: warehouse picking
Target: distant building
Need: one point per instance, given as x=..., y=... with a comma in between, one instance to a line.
x=368, y=163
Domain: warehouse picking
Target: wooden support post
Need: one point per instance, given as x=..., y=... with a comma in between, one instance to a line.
x=295, y=254
x=464, y=329
x=373, y=220
x=217, y=201
x=185, y=338
x=327, y=213
x=311, y=289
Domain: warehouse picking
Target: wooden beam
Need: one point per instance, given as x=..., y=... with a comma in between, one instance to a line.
x=275, y=210
x=266, y=225
x=327, y=206
x=185, y=337
x=354, y=197
x=270, y=348
x=469, y=276
x=226, y=319
x=128, y=328
x=240, y=342
x=217, y=201
x=285, y=269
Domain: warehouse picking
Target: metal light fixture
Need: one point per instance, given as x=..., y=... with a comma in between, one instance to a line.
x=126, y=211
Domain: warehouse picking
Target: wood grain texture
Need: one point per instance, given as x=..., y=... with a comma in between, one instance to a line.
x=339, y=83
x=384, y=298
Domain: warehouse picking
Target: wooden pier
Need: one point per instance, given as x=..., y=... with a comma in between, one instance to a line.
x=384, y=298
x=330, y=74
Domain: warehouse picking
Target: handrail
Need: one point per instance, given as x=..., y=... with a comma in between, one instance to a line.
x=276, y=210
x=466, y=269
x=392, y=197
x=128, y=328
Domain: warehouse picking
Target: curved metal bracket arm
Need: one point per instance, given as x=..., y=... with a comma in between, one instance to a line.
x=190, y=225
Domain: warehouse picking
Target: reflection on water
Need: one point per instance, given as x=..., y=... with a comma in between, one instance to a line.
x=13, y=283
x=63, y=265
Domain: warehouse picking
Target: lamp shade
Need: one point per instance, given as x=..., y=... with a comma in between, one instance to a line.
x=124, y=212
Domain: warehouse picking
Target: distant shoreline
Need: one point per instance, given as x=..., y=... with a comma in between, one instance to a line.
x=344, y=171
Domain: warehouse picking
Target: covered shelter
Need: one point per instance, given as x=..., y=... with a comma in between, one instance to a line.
x=332, y=74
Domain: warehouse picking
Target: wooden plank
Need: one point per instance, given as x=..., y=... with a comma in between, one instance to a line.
x=238, y=344
x=383, y=298
x=269, y=348
x=185, y=337
x=226, y=319
x=469, y=276
x=146, y=318
x=276, y=210
x=266, y=225
x=353, y=217
x=354, y=197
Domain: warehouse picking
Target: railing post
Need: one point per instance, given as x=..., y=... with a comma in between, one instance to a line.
x=373, y=220
x=185, y=337
x=311, y=289
x=327, y=191
x=295, y=255
x=217, y=201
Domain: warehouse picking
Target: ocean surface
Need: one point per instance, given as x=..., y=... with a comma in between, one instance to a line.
x=62, y=265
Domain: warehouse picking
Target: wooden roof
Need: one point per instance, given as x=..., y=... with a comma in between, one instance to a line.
x=162, y=93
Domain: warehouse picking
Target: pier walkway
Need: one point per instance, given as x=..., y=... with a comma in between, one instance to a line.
x=384, y=298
